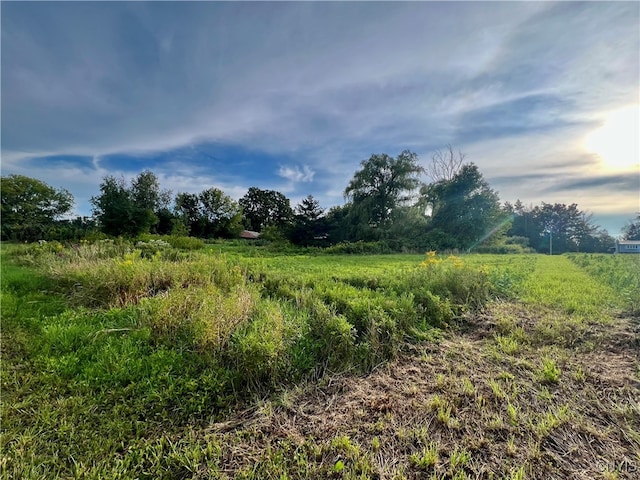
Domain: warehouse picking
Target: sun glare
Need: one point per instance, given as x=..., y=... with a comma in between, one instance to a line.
x=617, y=141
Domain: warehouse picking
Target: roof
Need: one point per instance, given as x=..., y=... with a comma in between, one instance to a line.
x=628, y=242
x=249, y=234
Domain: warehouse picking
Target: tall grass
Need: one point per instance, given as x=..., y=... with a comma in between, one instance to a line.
x=619, y=272
x=108, y=343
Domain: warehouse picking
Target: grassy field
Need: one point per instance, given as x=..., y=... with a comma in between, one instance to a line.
x=168, y=360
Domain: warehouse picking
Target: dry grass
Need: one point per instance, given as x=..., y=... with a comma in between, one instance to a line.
x=459, y=410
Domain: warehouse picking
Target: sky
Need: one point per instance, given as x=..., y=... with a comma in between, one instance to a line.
x=291, y=96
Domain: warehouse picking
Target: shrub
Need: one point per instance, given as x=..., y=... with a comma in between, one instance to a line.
x=201, y=316
x=185, y=243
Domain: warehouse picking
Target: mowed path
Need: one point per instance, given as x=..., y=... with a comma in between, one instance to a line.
x=547, y=387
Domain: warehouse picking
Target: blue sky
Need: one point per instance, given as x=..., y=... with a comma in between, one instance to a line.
x=543, y=97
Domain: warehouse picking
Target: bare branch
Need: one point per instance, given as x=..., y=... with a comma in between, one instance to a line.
x=445, y=164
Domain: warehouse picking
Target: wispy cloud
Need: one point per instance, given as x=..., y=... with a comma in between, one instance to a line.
x=255, y=94
x=296, y=174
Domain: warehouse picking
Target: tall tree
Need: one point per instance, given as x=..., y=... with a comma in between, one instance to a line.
x=631, y=231
x=557, y=228
x=220, y=214
x=310, y=226
x=145, y=200
x=28, y=206
x=124, y=209
x=464, y=209
x=113, y=208
x=261, y=208
x=309, y=209
x=382, y=184
x=445, y=164
x=187, y=207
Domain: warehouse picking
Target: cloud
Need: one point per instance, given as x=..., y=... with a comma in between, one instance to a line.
x=295, y=174
x=627, y=183
x=293, y=96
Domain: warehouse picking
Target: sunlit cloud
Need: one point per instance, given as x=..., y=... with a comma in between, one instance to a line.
x=617, y=141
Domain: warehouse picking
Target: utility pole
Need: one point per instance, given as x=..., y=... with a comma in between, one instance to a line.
x=550, y=242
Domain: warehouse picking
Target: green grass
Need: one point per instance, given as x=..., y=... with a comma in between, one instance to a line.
x=117, y=356
x=619, y=272
x=560, y=284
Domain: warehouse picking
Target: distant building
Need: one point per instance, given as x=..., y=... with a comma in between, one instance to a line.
x=627, y=246
x=249, y=235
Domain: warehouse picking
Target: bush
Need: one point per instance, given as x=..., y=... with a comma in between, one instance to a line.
x=504, y=248
x=359, y=248
x=185, y=243
x=201, y=316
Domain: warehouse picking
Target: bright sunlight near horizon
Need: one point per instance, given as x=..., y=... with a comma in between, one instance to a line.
x=617, y=141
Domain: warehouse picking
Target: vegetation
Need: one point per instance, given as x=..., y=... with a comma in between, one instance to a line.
x=29, y=207
x=381, y=186
x=557, y=228
x=208, y=214
x=167, y=358
x=631, y=231
x=387, y=204
x=465, y=210
x=263, y=208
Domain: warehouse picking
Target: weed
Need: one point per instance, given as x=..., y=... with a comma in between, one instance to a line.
x=497, y=390
x=549, y=372
x=467, y=387
x=507, y=344
x=459, y=458
x=511, y=446
x=512, y=412
x=426, y=458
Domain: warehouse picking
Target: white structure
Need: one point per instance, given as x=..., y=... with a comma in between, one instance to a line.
x=627, y=246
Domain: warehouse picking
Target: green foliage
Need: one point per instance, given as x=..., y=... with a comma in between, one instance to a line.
x=29, y=208
x=309, y=226
x=427, y=458
x=465, y=211
x=185, y=243
x=619, y=272
x=261, y=208
x=127, y=210
x=127, y=359
x=220, y=215
x=358, y=248
x=549, y=373
x=631, y=231
x=561, y=284
x=558, y=228
x=382, y=184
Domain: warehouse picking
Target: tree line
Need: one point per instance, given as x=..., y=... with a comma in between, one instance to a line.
x=386, y=202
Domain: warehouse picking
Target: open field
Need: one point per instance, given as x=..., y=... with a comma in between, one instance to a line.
x=169, y=361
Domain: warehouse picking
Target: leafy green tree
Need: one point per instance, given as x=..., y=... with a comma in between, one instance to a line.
x=464, y=210
x=338, y=221
x=123, y=209
x=382, y=184
x=145, y=200
x=310, y=226
x=558, y=228
x=29, y=207
x=261, y=208
x=187, y=208
x=113, y=208
x=407, y=230
x=631, y=231
x=220, y=214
